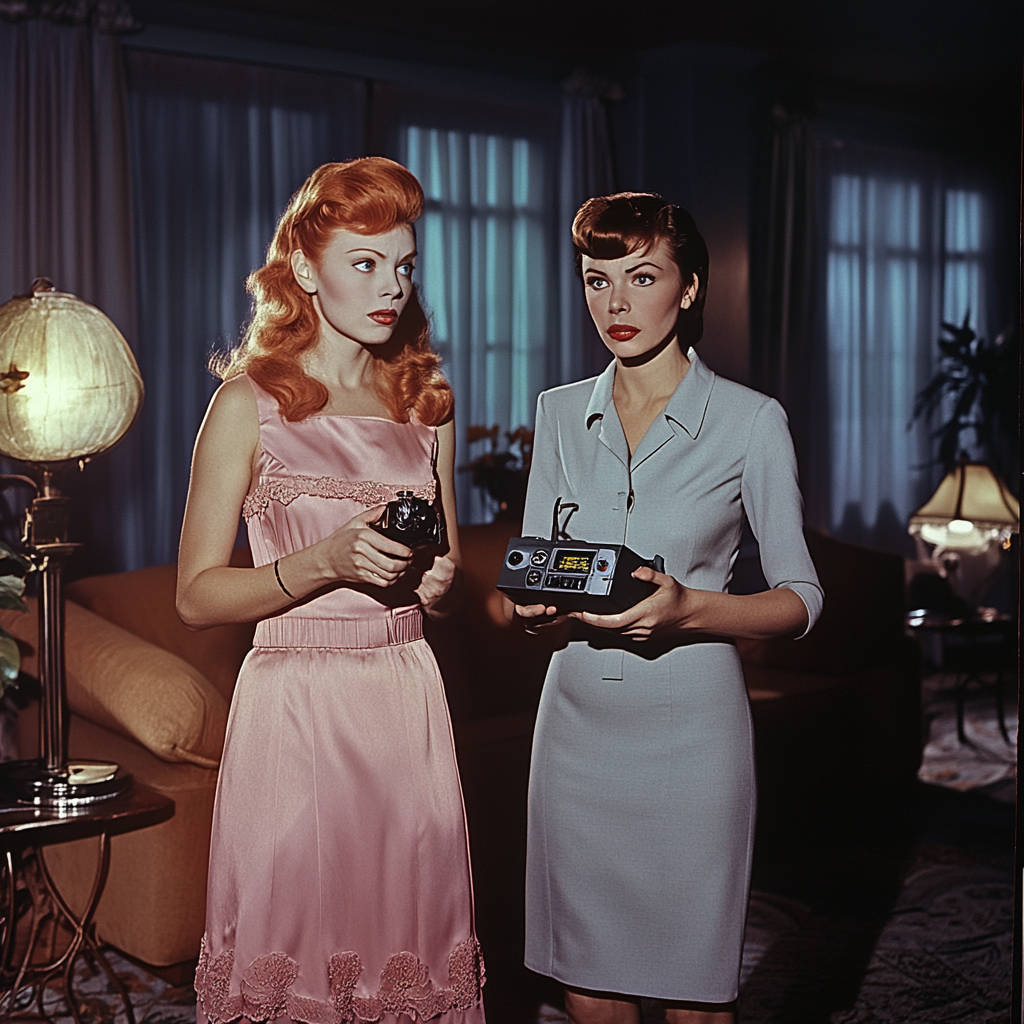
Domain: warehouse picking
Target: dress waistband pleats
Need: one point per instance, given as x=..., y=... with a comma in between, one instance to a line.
x=393, y=626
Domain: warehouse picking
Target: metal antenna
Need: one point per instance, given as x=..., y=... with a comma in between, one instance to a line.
x=558, y=533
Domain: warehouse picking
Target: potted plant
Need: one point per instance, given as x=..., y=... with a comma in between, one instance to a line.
x=13, y=568
x=977, y=387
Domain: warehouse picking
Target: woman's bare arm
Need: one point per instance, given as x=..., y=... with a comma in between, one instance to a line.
x=673, y=608
x=440, y=590
x=210, y=592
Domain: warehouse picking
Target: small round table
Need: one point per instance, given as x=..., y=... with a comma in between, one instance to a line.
x=23, y=828
x=983, y=639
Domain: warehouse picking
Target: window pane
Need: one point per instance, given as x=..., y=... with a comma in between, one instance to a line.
x=962, y=276
x=484, y=273
x=876, y=322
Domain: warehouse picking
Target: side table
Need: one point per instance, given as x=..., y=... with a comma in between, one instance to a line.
x=23, y=828
x=980, y=637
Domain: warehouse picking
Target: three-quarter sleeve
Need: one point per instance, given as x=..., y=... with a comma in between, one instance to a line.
x=547, y=482
x=772, y=501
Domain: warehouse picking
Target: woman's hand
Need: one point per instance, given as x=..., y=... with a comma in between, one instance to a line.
x=534, y=616
x=667, y=610
x=673, y=608
x=357, y=553
x=436, y=582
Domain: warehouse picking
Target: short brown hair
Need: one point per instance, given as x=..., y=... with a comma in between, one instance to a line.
x=610, y=227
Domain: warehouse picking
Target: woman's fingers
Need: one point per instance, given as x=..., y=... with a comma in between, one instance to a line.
x=646, y=617
x=620, y=620
x=539, y=616
x=378, y=560
x=359, y=554
x=436, y=581
x=645, y=572
x=377, y=540
x=534, y=611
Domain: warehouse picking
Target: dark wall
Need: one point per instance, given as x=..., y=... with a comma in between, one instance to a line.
x=695, y=126
x=685, y=130
x=694, y=121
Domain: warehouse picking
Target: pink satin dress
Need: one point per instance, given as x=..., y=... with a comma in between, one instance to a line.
x=339, y=887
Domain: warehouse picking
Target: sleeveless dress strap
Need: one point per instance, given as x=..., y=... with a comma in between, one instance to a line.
x=266, y=403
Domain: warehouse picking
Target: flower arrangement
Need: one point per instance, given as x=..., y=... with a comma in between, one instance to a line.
x=503, y=474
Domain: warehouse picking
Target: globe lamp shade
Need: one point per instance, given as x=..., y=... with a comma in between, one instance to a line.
x=69, y=385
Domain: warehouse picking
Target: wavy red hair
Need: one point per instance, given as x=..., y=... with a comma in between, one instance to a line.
x=369, y=196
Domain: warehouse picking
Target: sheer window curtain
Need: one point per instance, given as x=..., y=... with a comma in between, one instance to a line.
x=496, y=270
x=486, y=276
x=218, y=149
x=901, y=251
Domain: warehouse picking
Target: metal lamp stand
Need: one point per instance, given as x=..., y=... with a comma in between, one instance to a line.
x=52, y=780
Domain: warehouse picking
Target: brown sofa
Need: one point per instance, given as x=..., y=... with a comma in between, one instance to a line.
x=836, y=716
x=152, y=696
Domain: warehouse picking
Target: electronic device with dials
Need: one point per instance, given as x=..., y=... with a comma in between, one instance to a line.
x=573, y=575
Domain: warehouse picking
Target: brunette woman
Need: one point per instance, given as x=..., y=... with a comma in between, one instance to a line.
x=642, y=783
x=339, y=884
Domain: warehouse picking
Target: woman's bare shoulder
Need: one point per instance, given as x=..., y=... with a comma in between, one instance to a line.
x=233, y=415
x=235, y=401
x=236, y=392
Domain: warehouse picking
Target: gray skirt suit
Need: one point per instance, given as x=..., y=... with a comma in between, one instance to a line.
x=641, y=805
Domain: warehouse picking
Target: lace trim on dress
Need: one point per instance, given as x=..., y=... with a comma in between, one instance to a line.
x=366, y=492
x=405, y=987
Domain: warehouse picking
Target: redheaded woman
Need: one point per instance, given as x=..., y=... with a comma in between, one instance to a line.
x=339, y=886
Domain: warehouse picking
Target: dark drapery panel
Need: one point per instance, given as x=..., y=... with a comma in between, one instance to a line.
x=586, y=171
x=787, y=363
x=65, y=213
x=218, y=149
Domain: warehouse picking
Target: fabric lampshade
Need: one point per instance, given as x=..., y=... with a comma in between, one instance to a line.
x=69, y=384
x=970, y=509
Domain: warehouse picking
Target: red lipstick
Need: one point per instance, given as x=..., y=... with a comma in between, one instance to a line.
x=384, y=317
x=622, y=332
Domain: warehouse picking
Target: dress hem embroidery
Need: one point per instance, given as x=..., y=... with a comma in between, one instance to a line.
x=405, y=987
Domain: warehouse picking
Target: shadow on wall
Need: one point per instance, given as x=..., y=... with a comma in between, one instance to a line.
x=889, y=532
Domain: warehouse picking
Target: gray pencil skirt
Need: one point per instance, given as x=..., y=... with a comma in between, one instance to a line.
x=641, y=821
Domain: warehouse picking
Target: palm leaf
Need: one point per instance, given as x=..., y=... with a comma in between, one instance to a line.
x=10, y=661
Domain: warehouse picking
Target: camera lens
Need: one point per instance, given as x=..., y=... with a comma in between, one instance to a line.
x=515, y=558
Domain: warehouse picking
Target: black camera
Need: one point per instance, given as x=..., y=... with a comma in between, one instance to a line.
x=409, y=520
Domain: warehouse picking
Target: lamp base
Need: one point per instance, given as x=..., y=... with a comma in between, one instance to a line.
x=78, y=783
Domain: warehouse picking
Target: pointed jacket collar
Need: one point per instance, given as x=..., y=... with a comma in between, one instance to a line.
x=687, y=406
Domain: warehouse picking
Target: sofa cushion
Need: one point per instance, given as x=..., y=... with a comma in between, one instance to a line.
x=130, y=686
x=143, y=603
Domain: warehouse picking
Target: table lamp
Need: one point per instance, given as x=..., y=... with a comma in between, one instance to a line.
x=70, y=390
x=971, y=515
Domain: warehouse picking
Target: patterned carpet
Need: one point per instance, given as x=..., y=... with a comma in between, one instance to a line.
x=153, y=1000
x=903, y=920
x=906, y=920
x=942, y=954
